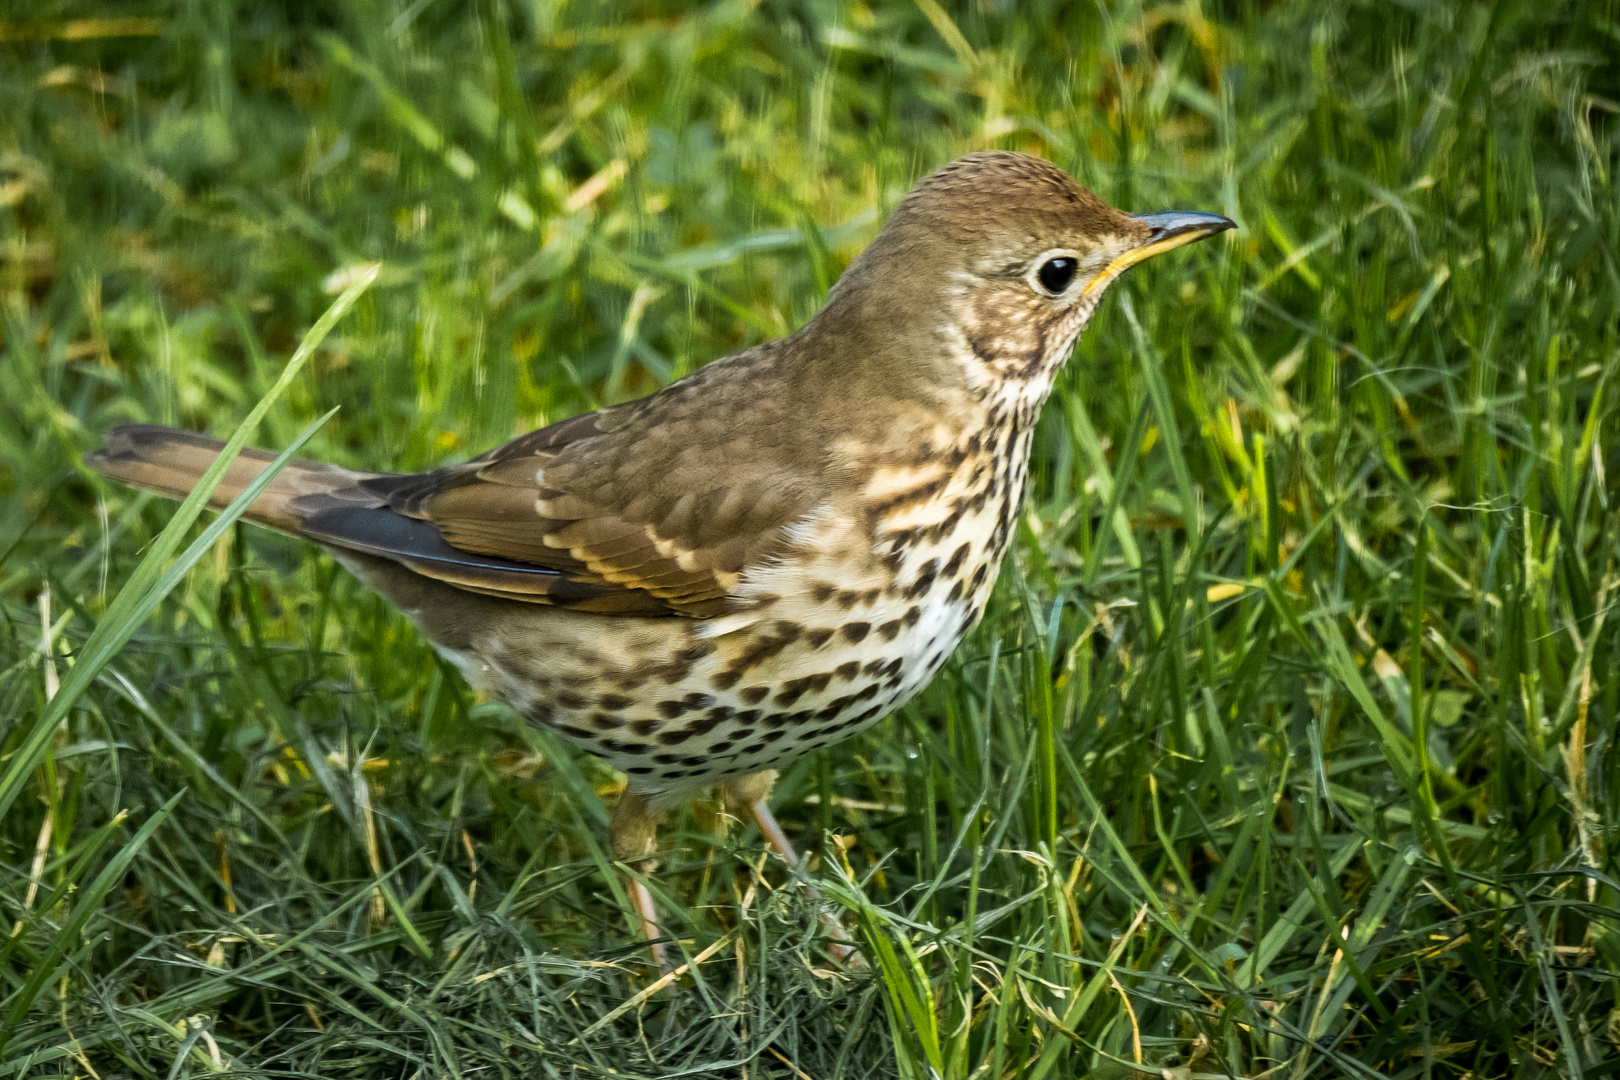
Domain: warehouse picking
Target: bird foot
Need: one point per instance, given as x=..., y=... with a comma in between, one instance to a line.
x=633, y=834
x=840, y=947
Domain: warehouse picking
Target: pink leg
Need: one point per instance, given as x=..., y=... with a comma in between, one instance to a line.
x=633, y=833
x=773, y=832
x=647, y=915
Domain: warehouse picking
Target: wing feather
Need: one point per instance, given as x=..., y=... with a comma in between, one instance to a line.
x=657, y=505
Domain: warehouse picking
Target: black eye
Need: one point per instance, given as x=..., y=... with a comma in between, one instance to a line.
x=1055, y=274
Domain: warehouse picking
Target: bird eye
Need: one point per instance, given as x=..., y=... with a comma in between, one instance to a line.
x=1055, y=274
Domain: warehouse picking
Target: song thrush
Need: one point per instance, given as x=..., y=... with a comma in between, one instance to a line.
x=765, y=556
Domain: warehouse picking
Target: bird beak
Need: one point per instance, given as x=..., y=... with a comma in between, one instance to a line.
x=1168, y=229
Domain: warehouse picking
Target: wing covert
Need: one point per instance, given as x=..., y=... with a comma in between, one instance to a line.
x=655, y=506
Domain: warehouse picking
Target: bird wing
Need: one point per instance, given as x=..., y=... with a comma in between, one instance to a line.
x=652, y=507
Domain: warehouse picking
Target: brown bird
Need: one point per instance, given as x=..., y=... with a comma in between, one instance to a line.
x=768, y=555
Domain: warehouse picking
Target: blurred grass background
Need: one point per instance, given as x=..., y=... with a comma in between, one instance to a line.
x=1286, y=749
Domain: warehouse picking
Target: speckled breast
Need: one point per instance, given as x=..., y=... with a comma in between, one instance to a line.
x=841, y=629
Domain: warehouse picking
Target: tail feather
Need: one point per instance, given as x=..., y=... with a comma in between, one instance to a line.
x=170, y=462
x=405, y=559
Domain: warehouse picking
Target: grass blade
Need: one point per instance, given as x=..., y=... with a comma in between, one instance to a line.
x=150, y=582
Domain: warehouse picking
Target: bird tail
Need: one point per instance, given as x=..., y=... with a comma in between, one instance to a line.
x=170, y=462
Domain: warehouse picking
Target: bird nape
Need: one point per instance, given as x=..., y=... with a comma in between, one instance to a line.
x=766, y=556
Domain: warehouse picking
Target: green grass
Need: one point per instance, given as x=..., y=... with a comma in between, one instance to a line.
x=1287, y=747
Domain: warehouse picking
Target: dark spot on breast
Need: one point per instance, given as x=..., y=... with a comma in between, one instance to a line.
x=912, y=615
x=725, y=680
x=925, y=578
x=812, y=684
x=847, y=598
x=709, y=723
x=570, y=700
x=889, y=630
x=753, y=695
x=576, y=733
x=771, y=736
x=541, y=714
x=979, y=575
x=644, y=728
x=614, y=746
x=670, y=709
x=615, y=702
x=855, y=631
x=821, y=592
x=818, y=637
x=847, y=671
x=765, y=646
x=835, y=707
x=956, y=592
x=919, y=494
x=792, y=719
x=958, y=557
x=605, y=721
x=675, y=738
x=667, y=759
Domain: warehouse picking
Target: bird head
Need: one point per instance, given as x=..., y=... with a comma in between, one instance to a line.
x=1000, y=258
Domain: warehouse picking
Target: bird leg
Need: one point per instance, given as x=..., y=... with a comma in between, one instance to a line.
x=633, y=833
x=753, y=792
